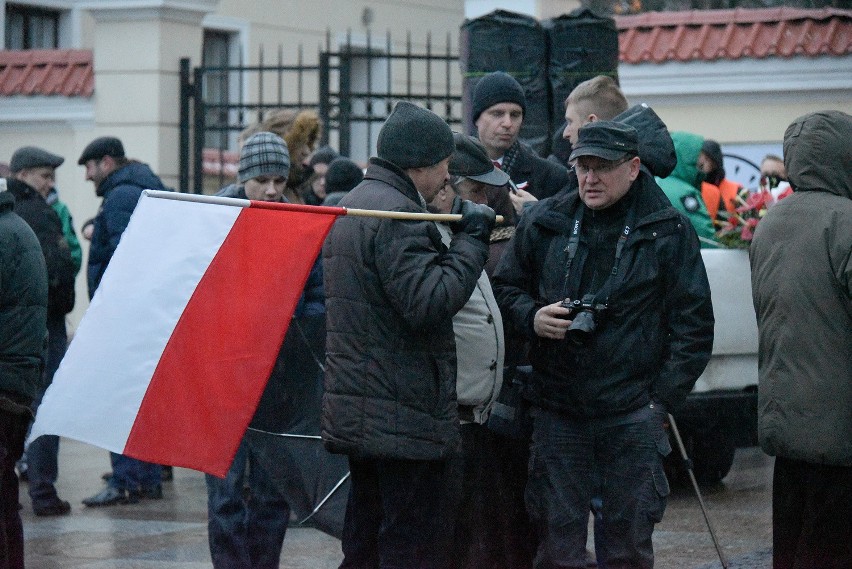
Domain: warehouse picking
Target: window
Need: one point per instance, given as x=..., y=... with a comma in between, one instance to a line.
x=31, y=28
x=217, y=51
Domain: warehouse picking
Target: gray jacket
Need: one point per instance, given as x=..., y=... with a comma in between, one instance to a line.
x=801, y=263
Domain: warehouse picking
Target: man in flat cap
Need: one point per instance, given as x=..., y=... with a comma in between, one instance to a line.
x=119, y=182
x=609, y=284
x=392, y=288
x=34, y=170
x=498, y=107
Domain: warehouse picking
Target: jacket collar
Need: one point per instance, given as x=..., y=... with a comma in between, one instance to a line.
x=393, y=175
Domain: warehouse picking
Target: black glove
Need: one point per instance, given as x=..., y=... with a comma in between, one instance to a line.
x=457, y=205
x=477, y=221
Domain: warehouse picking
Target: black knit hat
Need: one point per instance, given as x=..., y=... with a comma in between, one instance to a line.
x=609, y=140
x=343, y=175
x=414, y=137
x=100, y=147
x=323, y=155
x=33, y=157
x=264, y=153
x=497, y=87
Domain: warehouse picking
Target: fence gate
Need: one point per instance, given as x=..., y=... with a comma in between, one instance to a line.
x=353, y=89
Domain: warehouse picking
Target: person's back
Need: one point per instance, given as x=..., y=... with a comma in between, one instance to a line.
x=682, y=186
x=802, y=291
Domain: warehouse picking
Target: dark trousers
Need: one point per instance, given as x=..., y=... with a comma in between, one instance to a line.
x=245, y=528
x=13, y=431
x=618, y=460
x=811, y=515
x=43, y=453
x=391, y=514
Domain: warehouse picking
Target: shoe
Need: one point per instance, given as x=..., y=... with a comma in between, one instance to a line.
x=56, y=507
x=110, y=496
x=151, y=492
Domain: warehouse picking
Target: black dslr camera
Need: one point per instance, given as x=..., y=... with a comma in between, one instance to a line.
x=584, y=315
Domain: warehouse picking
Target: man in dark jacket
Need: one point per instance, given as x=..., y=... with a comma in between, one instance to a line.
x=119, y=182
x=392, y=289
x=33, y=169
x=606, y=370
x=801, y=274
x=23, y=318
x=498, y=112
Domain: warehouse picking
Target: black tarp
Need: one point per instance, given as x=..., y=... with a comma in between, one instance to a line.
x=516, y=44
x=582, y=45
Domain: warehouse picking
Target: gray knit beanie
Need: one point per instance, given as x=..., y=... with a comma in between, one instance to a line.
x=414, y=137
x=264, y=153
x=497, y=87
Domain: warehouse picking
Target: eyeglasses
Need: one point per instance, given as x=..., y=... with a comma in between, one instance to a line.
x=604, y=167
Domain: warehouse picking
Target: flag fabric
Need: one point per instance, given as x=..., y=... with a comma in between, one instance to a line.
x=171, y=358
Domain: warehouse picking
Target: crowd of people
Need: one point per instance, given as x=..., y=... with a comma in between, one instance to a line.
x=491, y=385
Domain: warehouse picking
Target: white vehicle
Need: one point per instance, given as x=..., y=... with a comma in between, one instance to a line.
x=721, y=412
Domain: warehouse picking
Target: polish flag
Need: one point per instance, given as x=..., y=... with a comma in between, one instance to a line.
x=170, y=360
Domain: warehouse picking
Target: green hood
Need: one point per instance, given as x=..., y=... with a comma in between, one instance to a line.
x=818, y=153
x=687, y=148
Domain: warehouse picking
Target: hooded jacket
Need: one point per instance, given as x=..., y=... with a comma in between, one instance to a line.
x=23, y=306
x=121, y=191
x=392, y=288
x=683, y=186
x=801, y=271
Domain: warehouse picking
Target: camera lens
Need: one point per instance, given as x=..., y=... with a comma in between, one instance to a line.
x=581, y=327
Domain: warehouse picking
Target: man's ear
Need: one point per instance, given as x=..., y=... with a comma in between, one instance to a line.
x=591, y=118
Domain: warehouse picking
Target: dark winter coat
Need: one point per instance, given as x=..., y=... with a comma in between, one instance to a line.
x=542, y=178
x=801, y=274
x=392, y=289
x=655, y=338
x=23, y=306
x=47, y=226
x=121, y=191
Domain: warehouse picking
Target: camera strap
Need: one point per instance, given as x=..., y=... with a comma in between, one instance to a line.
x=574, y=245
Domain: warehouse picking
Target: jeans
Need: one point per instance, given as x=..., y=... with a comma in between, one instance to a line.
x=618, y=460
x=43, y=453
x=392, y=513
x=13, y=431
x=131, y=474
x=245, y=527
x=811, y=515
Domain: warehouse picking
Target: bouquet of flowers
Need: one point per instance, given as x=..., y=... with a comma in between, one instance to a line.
x=738, y=228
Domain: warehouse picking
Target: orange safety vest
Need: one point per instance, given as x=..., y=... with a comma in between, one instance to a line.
x=722, y=195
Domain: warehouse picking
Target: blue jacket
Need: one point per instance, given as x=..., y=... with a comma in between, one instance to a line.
x=121, y=191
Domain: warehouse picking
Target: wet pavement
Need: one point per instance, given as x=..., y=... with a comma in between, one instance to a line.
x=172, y=533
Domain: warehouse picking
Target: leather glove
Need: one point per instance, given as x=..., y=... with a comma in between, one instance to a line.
x=457, y=205
x=477, y=221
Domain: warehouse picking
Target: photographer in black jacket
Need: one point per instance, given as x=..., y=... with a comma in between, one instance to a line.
x=600, y=398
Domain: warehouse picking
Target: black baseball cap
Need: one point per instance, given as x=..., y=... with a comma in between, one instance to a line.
x=100, y=147
x=609, y=140
x=470, y=160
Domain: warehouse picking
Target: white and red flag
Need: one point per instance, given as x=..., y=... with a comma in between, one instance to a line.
x=171, y=358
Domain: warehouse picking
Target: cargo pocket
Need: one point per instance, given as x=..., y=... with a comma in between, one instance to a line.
x=660, y=499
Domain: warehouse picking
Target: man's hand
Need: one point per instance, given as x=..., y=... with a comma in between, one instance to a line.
x=477, y=221
x=551, y=321
x=520, y=197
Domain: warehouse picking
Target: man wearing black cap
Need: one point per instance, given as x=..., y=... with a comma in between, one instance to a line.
x=497, y=111
x=392, y=288
x=119, y=182
x=34, y=169
x=609, y=283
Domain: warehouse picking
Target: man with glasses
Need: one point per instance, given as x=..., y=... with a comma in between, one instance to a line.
x=609, y=284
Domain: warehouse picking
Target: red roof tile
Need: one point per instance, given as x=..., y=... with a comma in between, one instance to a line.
x=64, y=72
x=707, y=35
